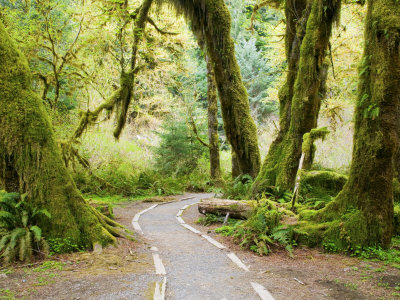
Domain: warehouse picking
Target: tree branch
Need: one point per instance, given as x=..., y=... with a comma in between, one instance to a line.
x=158, y=29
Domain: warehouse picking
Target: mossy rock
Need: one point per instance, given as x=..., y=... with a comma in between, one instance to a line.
x=321, y=184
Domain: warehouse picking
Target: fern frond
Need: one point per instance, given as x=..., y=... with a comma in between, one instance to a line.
x=9, y=254
x=16, y=234
x=43, y=212
x=37, y=233
x=22, y=249
x=28, y=246
x=25, y=218
x=44, y=247
x=4, y=241
x=7, y=219
x=8, y=201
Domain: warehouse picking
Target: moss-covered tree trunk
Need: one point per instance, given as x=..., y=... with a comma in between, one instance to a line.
x=300, y=101
x=367, y=198
x=211, y=21
x=235, y=165
x=28, y=150
x=213, y=139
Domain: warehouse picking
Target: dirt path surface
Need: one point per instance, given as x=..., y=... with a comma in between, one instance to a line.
x=195, y=268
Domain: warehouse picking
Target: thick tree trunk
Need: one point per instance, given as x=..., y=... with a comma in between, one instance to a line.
x=236, y=209
x=27, y=136
x=367, y=197
x=210, y=19
x=235, y=165
x=282, y=162
x=213, y=140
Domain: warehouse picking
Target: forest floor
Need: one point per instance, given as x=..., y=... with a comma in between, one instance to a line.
x=195, y=269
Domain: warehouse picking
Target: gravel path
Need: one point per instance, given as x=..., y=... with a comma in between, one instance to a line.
x=195, y=268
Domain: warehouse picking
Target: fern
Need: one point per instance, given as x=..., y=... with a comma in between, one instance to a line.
x=21, y=235
x=37, y=233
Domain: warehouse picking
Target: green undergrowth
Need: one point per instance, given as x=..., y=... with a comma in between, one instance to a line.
x=238, y=188
x=132, y=170
x=264, y=229
x=274, y=223
x=211, y=219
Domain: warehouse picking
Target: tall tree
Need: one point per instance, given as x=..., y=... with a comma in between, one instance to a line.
x=213, y=139
x=307, y=39
x=367, y=198
x=31, y=156
x=210, y=20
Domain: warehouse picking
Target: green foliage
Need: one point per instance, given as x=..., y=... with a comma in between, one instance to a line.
x=21, y=236
x=60, y=245
x=210, y=219
x=239, y=188
x=262, y=230
x=179, y=151
x=279, y=195
x=321, y=185
x=390, y=256
x=251, y=52
x=284, y=235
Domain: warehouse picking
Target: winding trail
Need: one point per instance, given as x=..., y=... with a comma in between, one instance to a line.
x=196, y=269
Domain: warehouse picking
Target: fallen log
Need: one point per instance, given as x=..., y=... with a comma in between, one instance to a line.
x=220, y=207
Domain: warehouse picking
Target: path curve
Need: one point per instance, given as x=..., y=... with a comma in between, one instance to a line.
x=195, y=268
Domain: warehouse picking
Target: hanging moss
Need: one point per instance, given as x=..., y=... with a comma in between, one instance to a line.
x=28, y=138
x=281, y=164
x=316, y=184
x=211, y=22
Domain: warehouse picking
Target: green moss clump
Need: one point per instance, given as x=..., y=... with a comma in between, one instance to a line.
x=321, y=184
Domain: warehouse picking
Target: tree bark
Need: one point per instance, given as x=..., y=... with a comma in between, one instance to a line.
x=302, y=109
x=236, y=209
x=213, y=139
x=27, y=136
x=367, y=197
x=235, y=165
x=211, y=21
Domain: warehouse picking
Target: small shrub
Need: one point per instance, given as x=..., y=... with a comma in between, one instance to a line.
x=179, y=151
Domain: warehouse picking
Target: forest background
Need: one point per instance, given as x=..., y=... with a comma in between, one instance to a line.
x=79, y=53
